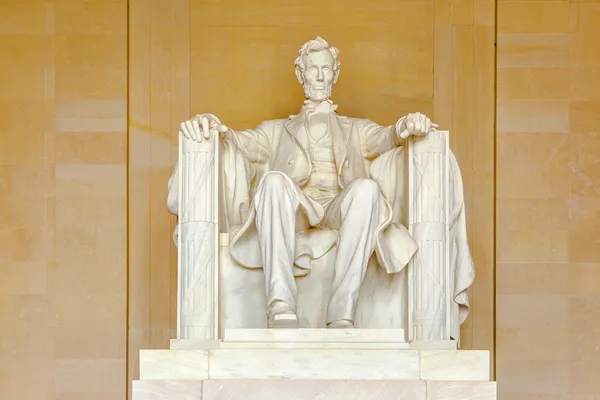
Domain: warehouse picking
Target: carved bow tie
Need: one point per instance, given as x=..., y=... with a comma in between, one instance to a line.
x=325, y=107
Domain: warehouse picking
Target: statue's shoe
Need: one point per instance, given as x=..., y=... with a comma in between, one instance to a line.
x=341, y=324
x=281, y=315
x=283, y=321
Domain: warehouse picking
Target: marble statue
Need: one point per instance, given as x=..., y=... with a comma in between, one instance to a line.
x=293, y=189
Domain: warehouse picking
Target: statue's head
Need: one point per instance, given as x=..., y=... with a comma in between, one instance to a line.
x=317, y=68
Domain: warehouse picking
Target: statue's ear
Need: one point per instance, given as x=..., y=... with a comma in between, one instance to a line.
x=299, y=76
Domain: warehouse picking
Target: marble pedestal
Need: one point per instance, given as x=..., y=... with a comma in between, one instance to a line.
x=313, y=363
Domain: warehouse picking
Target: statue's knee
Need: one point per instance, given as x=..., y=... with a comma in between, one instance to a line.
x=275, y=179
x=367, y=188
x=275, y=184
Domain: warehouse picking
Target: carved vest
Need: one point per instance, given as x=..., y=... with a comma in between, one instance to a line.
x=291, y=155
x=322, y=184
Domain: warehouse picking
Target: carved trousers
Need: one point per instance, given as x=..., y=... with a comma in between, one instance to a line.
x=354, y=213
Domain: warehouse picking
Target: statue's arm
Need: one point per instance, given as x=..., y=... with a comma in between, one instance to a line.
x=254, y=144
x=377, y=139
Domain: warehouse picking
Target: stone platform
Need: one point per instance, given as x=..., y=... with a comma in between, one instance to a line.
x=312, y=390
x=313, y=363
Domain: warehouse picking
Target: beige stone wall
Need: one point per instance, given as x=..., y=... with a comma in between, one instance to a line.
x=159, y=99
x=77, y=265
x=72, y=277
x=63, y=168
x=548, y=200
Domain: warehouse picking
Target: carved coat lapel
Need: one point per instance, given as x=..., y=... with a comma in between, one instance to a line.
x=294, y=126
x=348, y=154
x=292, y=156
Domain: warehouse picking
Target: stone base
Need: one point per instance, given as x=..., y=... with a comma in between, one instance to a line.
x=363, y=354
x=306, y=339
x=313, y=363
x=320, y=363
x=312, y=390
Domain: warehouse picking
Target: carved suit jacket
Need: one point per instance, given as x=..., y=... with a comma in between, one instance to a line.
x=277, y=145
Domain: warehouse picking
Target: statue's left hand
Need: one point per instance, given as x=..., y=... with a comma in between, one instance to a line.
x=415, y=124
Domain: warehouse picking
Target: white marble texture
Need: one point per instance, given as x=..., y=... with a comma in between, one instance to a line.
x=196, y=184
x=314, y=390
x=454, y=365
x=315, y=335
x=243, y=301
x=461, y=390
x=365, y=339
x=174, y=364
x=313, y=345
x=313, y=364
x=433, y=345
x=167, y=390
x=194, y=344
x=428, y=223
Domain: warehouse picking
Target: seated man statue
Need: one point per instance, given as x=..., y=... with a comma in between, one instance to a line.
x=312, y=181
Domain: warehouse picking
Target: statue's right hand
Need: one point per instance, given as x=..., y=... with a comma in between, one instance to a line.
x=202, y=126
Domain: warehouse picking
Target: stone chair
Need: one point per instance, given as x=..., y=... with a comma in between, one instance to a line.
x=215, y=294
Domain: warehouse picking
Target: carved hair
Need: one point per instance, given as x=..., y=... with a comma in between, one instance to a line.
x=315, y=45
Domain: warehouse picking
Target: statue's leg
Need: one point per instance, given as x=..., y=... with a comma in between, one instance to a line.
x=276, y=206
x=355, y=212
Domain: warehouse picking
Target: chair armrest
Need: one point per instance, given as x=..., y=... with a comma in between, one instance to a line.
x=198, y=239
x=428, y=224
x=198, y=180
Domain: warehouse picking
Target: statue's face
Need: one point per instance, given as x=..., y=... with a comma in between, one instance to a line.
x=318, y=75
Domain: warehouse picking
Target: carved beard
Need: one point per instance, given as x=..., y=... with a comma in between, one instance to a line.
x=317, y=94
